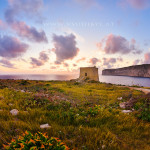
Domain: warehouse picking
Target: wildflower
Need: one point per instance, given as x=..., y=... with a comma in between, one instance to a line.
x=22, y=146
x=62, y=143
x=5, y=146
x=26, y=132
x=32, y=141
x=42, y=146
x=19, y=138
x=12, y=140
x=50, y=144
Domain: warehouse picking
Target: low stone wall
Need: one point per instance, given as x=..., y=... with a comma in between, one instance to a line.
x=135, y=71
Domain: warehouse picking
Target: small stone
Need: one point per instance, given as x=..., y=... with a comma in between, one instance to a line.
x=14, y=112
x=119, y=98
x=122, y=105
x=10, y=104
x=45, y=126
x=1, y=97
x=22, y=91
x=126, y=111
x=103, y=146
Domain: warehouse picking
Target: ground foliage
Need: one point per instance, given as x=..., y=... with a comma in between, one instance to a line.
x=85, y=116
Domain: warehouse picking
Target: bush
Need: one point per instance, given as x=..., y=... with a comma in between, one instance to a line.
x=38, y=141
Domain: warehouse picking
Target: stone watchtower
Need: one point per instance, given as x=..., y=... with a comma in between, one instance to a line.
x=89, y=72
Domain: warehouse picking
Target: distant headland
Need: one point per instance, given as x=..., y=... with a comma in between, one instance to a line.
x=135, y=71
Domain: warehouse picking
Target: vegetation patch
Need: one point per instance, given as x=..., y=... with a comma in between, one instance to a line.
x=85, y=116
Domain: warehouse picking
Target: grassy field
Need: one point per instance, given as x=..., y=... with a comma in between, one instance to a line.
x=86, y=116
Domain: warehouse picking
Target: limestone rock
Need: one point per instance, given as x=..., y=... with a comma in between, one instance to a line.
x=10, y=104
x=14, y=112
x=136, y=71
x=126, y=111
x=129, y=104
x=45, y=126
x=119, y=98
x=122, y=105
x=22, y=91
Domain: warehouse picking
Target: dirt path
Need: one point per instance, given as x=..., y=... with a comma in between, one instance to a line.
x=146, y=91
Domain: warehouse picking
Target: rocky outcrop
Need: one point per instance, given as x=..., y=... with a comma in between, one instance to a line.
x=135, y=71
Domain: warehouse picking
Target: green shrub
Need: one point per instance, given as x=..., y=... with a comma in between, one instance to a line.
x=24, y=82
x=145, y=114
x=38, y=141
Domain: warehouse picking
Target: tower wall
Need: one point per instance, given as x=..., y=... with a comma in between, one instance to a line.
x=89, y=72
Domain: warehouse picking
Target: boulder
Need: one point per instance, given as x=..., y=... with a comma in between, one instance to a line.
x=129, y=104
x=126, y=111
x=45, y=126
x=122, y=105
x=14, y=112
x=119, y=98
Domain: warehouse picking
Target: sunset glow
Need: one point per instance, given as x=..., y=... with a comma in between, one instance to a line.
x=59, y=37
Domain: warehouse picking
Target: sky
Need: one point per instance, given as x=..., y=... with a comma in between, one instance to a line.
x=60, y=36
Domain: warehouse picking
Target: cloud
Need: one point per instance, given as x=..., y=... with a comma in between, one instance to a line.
x=2, y=24
x=136, y=62
x=7, y=63
x=94, y=61
x=65, y=47
x=11, y=47
x=53, y=67
x=74, y=65
x=113, y=44
x=139, y=4
x=22, y=29
x=88, y=3
x=43, y=58
x=120, y=59
x=66, y=65
x=147, y=58
x=31, y=7
x=29, y=33
x=108, y=62
x=81, y=59
x=136, y=4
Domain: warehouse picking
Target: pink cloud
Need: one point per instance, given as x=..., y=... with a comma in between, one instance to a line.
x=136, y=4
x=147, y=58
x=11, y=47
x=94, y=61
x=43, y=58
x=25, y=7
x=109, y=62
x=65, y=47
x=81, y=59
x=113, y=44
x=7, y=63
x=88, y=3
x=30, y=33
x=139, y=4
x=2, y=24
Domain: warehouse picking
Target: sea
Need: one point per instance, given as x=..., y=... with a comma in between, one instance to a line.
x=121, y=80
